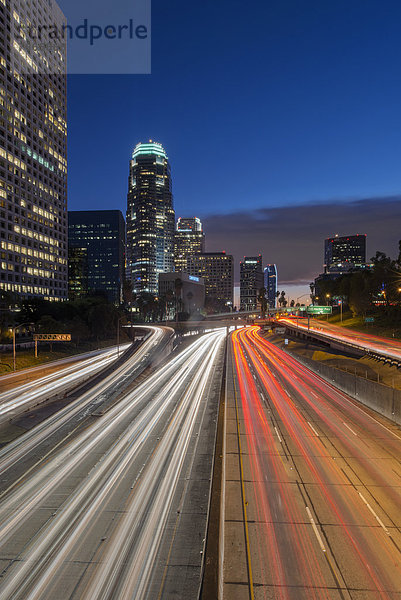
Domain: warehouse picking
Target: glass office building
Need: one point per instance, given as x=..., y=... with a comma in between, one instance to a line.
x=96, y=253
x=150, y=218
x=344, y=253
x=189, y=240
x=217, y=271
x=270, y=284
x=251, y=281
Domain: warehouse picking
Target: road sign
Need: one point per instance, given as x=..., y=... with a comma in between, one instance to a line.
x=279, y=330
x=369, y=319
x=319, y=310
x=52, y=337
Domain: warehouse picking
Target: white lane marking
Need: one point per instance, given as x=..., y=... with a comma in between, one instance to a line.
x=315, y=529
x=313, y=429
x=313, y=394
x=348, y=427
x=278, y=435
x=374, y=514
x=351, y=401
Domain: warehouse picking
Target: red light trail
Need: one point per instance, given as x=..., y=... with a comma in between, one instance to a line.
x=324, y=499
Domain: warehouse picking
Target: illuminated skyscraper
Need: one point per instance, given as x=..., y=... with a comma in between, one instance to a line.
x=251, y=281
x=150, y=218
x=270, y=284
x=217, y=271
x=344, y=253
x=33, y=152
x=189, y=240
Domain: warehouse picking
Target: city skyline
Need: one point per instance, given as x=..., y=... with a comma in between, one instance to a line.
x=200, y=368
x=323, y=128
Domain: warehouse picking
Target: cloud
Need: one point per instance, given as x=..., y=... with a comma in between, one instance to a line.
x=293, y=237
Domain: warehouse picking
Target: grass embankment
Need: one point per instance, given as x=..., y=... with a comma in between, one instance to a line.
x=358, y=324
x=25, y=359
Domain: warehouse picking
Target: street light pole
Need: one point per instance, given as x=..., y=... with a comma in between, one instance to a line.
x=14, y=357
x=118, y=336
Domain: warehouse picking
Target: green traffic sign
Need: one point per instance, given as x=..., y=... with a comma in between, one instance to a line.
x=319, y=310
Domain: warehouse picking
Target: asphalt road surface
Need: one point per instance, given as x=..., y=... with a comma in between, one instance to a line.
x=315, y=511
x=32, y=388
x=117, y=509
x=385, y=346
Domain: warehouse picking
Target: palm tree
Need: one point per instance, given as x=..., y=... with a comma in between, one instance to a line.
x=178, y=290
x=263, y=302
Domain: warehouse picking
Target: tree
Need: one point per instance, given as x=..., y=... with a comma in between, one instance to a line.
x=128, y=295
x=282, y=299
x=102, y=320
x=178, y=301
x=78, y=329
x=48, y=324
x=262, y=301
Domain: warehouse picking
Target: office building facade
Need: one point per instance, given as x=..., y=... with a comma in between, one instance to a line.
x=270, y=284
x=96, y=253
x=251, y=282
x=33, y=154
x=190, y=292
x=217, y=272
x=344, y=253
x=150, y=218
x=78, y=272
x=189, y=240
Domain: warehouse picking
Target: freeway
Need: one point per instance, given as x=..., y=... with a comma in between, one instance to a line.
x=12, y=380
x=313, y=481
x=101, y=514
x=372, y=343
x=19, y=398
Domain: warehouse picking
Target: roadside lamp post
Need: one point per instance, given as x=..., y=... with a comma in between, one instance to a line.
x=14, y=345
x=327, y=303
x=299, y=297
x=118, y=336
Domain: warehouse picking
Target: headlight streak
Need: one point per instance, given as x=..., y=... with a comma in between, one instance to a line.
x=31, y=393
x=344, y=505
x=71, y=522
x=65, y=459
x=177, y=440
x=14, y=451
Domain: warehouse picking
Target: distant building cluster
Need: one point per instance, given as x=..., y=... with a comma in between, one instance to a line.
x=48, y=252
x=162, y=257
x=342, y=255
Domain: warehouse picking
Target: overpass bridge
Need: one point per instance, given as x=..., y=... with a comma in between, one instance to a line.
x=381, y=349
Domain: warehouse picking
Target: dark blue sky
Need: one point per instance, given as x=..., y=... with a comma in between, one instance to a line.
x=258, y=104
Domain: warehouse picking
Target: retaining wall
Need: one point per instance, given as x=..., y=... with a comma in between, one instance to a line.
x=381, y=398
